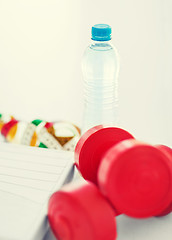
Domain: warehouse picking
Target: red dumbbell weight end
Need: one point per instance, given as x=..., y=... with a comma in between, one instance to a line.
x=81, y=212
x=167, y=151
x=93, y=145
x=136, y=178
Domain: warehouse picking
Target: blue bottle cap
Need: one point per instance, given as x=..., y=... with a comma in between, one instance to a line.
x=101, y=32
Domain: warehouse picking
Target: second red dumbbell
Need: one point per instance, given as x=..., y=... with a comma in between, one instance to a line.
x=78, y=212
x=136, y=177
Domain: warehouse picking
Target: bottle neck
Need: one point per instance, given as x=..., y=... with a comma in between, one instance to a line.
x=101, y=45
x=100, y=42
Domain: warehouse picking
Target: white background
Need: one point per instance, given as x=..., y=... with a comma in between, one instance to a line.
x=41, y=46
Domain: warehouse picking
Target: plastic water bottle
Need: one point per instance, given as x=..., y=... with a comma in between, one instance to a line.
x=100, y=67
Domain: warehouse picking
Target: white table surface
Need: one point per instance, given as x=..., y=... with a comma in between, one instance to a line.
x=138, y=229
x=132, y=229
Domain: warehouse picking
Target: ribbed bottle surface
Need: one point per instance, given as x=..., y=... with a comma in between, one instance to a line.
x=100, y=71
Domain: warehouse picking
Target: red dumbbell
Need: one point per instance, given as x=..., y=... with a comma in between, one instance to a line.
x=93, y=145
x=134, y=176
x=81, y=212
x=167, y=151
